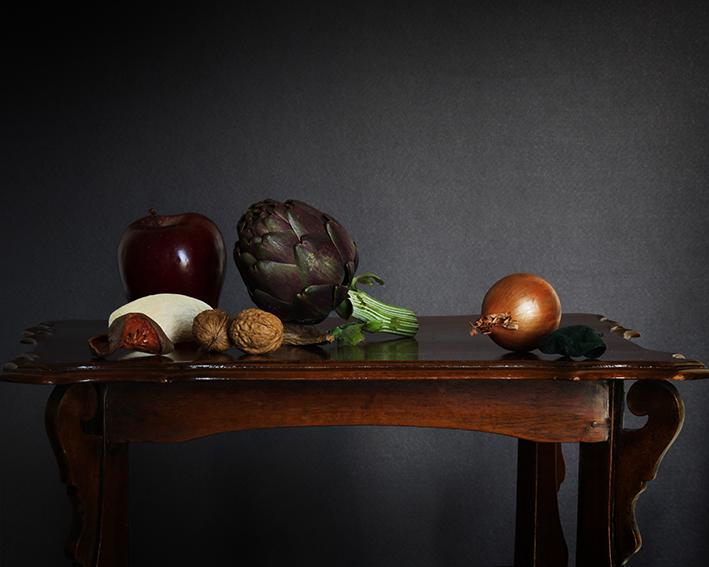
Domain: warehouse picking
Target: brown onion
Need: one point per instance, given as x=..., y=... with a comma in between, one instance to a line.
x=518, y=311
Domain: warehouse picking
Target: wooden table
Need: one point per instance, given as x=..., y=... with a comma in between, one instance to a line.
x=442, y=378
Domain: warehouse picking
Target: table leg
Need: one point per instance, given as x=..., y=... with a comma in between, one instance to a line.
x=612, y=474
x=96, y=475
x=539, y=538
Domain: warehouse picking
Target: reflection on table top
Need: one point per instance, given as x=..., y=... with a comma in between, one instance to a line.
x=443, y=349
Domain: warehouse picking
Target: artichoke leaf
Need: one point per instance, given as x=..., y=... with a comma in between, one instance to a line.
x=318, y=260
x=344, y=309
x=276, y=278
x=272, y=223
x=244, y=260
x=277, y=247
x=302, y=220
x=314, y=302
x=267, y=302
x=342, y=241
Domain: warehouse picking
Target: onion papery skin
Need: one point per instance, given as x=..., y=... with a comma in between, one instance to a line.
x=531, y=302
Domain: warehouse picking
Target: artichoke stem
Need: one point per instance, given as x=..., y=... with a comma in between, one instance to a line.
x=386, y=318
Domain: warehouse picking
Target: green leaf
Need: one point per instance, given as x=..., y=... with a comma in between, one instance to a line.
x=373, y=326
x=344, y=309
x=349, y=333
x=367, y=278
x=575, y=340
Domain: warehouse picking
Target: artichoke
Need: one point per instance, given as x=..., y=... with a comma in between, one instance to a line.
x=299, y=263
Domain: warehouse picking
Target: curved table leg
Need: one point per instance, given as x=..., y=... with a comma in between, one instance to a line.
x=96, y=475
x=614, y=473
x=539, y=538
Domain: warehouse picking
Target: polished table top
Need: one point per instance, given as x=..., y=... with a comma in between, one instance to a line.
x=58, y=354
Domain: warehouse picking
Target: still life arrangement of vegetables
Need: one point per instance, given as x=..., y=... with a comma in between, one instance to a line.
x=299, y=266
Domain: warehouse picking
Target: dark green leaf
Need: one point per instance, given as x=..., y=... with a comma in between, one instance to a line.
x=349, y=333
x=367, y=278
x=344, y=309
x=575, y=340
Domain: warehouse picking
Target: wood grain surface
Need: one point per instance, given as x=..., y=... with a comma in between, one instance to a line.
x=538, y=410
x=442, y=350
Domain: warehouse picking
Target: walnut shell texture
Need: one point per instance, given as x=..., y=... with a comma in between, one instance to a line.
x=210, y=329
x=256, y=331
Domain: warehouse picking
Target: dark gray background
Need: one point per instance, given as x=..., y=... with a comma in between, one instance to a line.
x=457, y=142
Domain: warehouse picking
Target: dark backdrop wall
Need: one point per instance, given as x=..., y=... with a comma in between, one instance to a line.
x=458, y=142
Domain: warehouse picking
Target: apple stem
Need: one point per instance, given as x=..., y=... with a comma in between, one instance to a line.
x=152, y=212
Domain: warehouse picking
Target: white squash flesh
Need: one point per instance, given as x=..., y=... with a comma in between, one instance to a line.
x=172, y=311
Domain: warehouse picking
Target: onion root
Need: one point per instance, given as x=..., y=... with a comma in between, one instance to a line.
x=487, y=323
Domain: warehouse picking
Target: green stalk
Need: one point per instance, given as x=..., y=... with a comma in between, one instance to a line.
x=377, y=315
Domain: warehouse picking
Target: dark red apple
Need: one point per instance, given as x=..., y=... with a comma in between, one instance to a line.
x=173, y=254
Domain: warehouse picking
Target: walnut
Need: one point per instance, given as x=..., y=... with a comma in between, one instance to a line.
x=210, y=329
x=256, y=331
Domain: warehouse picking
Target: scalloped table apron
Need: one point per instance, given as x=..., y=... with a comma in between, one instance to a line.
x=442, y=378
